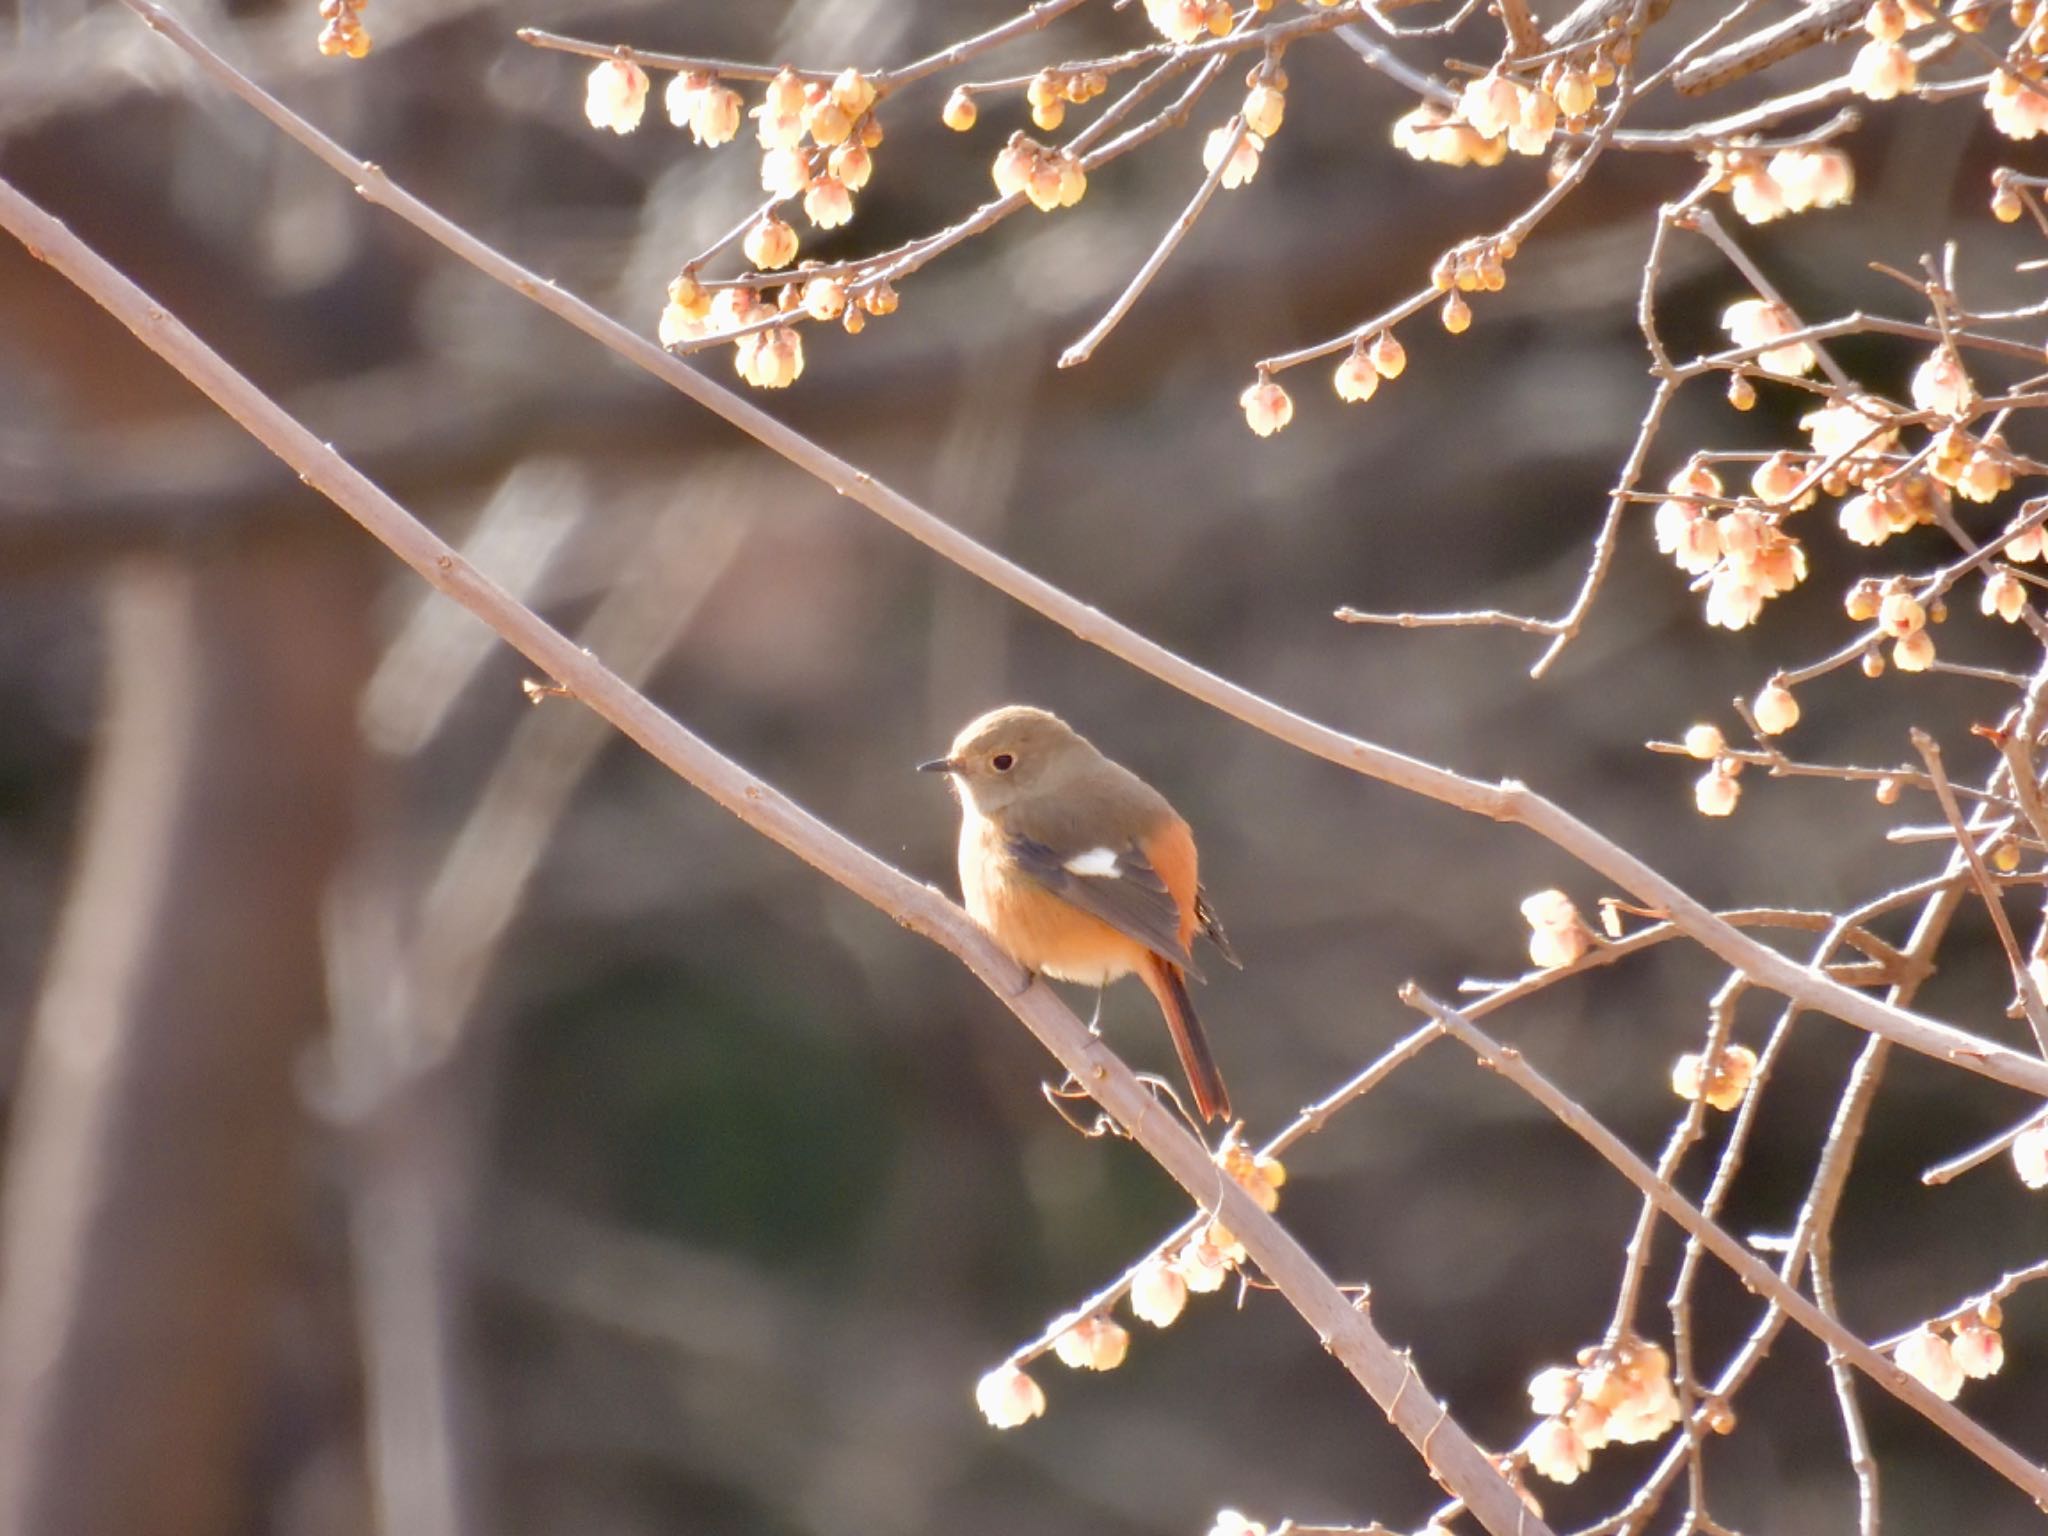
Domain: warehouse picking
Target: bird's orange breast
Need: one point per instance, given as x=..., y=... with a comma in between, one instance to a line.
x=1035, y=928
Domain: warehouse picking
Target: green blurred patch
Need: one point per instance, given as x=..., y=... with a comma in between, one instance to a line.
x=719, y=1114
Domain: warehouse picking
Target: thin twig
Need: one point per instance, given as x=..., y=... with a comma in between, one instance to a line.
x=1980, y=1154
x=1966, y=845
x=1862, y=1461
x=1971, y=1306
x=1176, y=232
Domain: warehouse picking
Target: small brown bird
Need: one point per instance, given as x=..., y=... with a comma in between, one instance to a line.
x=1077, y=867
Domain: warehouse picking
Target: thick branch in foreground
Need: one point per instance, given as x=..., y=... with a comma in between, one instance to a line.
x=1344, y=1329
x=1502, y=802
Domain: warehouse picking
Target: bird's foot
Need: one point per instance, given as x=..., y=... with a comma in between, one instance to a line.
x=1067, y=1100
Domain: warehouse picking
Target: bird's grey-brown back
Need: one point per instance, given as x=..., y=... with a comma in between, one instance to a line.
x=1100, y=804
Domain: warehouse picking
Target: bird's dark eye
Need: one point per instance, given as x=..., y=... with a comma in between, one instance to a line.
x=1002, y=762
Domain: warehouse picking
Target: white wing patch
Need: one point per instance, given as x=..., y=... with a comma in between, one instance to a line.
x=1100, y=862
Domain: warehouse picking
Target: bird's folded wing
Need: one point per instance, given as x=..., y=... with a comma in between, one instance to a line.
x=1212, y=927
x=1118, y=886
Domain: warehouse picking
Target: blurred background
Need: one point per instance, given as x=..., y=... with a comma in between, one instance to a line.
x=425, y=1115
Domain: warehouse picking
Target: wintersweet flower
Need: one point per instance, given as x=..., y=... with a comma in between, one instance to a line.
x=1755, y=193
x=1203, y=1265
x=1555, y=1451
x=1915, y=653
x=2030, y=1156
x=1776, y=710
x=1557, y=934
x=1735, y=599
x=1927, y=1357
x=1178, y=21
x=1491, y=104
x=1758, y=322
x=771, y=359
x=851, y=165
x=1158, y=1292
x=827, y=203
x=1243, y=163
x=770, y=243
x=1881, y=70
x=2003, y=595
x=785, y=172
x=1813, y=178
x=1778, y=479
x=1940, y=385
x=1093, y=1344
x=1849, y=427
x=1264, y=107
x=1688, y=535
x=1553, y=1390
x=1977, y=1348
x=1008, y=1397
x=1863, y=520
x=1723, y=1085
x=1716, y=794
x=615, y=96
x=1356, y=378
x=1267, y=407
x=2018, y=105
x=1259, y=1175
x=1573, y=92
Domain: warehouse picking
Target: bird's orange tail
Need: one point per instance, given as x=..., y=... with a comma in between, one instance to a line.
x=1167, y=984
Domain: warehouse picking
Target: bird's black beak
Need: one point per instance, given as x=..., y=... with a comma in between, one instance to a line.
x=938, y=765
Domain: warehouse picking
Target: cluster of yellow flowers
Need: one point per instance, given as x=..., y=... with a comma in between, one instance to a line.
x=815, y=137
x=1744, y=556
x=1942, y=1356
x=1762, y=188
x=1049, y=178
x=1497, y=113
x=2015, y=97
x=342, y=33
x=1187, y=21
x=1618, y=1394
x=1158, y=1294
x=1268, y=407
x=1719, y=789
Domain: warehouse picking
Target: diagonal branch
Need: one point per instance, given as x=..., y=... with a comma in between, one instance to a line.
x=1756, y=1275
x=1346, y=1330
